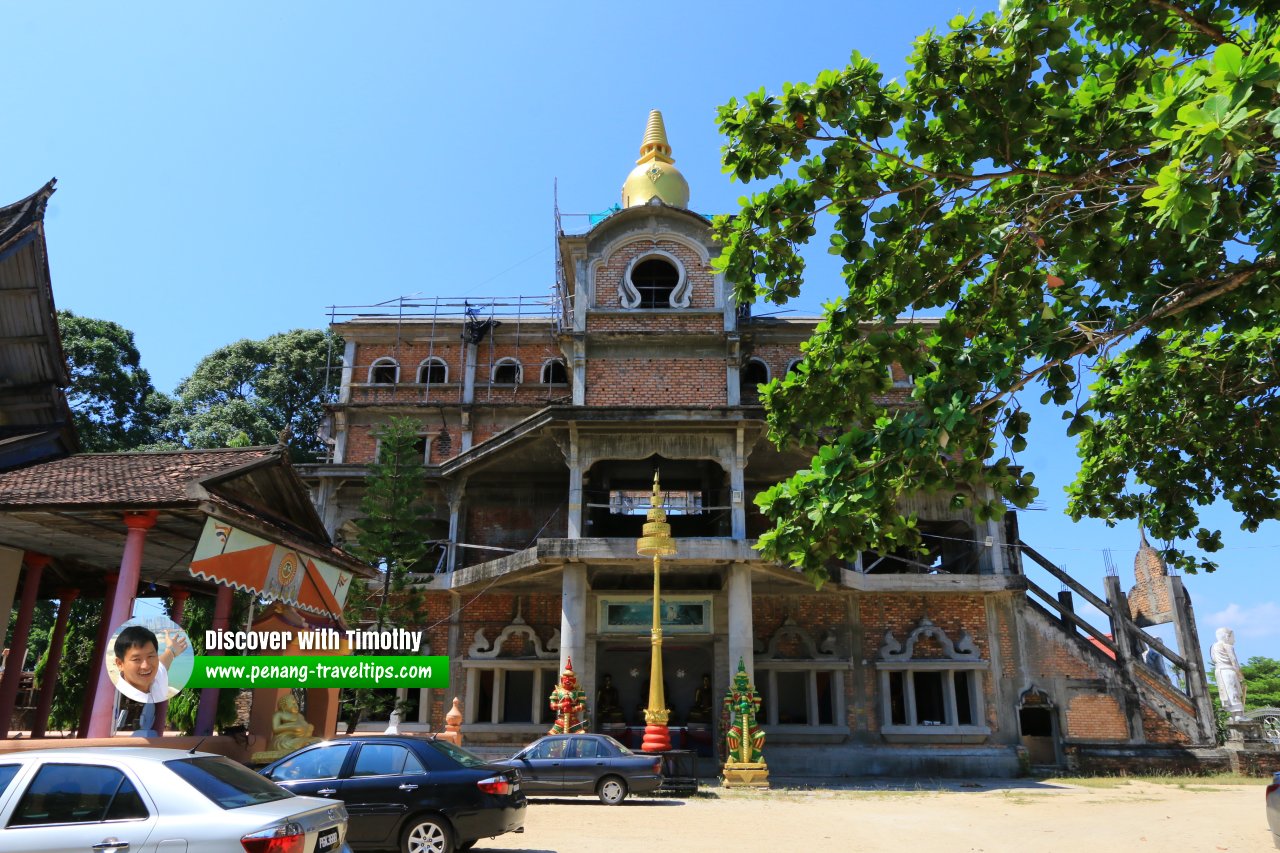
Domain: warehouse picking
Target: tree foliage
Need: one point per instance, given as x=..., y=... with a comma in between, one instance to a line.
x=113, y=403
x=247, y=392
x=1080, y=188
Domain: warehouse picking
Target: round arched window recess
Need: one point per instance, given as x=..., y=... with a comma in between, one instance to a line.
x=507, y=372
x=433, y=371
x=794, y=365
x=754, y=374
x=554, y=373
x=384, y=371
x=655, y=279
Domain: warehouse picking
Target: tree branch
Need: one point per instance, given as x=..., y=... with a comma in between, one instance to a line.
x=1216, y=35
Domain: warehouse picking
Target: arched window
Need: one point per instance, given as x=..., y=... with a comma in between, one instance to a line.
x=433, y=371
x=655, y=279
x=754, y=374
x=385, y=371
x=554, y=373
x=898, y=377
x=507, y=372
x=795, y=363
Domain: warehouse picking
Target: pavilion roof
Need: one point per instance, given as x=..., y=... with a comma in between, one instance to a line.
x=138, y=480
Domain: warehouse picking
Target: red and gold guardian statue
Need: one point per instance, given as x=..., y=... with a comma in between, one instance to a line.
x=743, y=738
x=569, y=703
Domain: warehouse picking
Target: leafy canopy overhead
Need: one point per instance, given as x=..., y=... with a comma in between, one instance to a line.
x=113, y=404
x=248, y=392
x=1085, y=190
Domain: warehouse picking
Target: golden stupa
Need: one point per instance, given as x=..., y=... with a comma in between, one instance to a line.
x=655, y=174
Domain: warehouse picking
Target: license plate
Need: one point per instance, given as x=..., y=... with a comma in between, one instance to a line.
x=515, y=786
x=327, y=841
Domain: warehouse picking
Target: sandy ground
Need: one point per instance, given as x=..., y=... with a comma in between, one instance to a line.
x=992, y=816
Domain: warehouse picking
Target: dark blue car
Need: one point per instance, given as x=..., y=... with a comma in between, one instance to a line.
x=413, y=794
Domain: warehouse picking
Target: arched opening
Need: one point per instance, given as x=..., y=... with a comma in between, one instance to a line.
x=507, y=372
x=655, y=279
x=385, y=371
x=554, y=373
x=754, y=374
x=433, y=371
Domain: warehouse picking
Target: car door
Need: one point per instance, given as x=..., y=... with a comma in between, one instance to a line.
x=583, y=765
x=314, y=772
x=379, y=790
x=69, y=806
x=542, y=766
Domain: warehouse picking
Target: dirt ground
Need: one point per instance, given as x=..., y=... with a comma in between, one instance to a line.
x=991, y=816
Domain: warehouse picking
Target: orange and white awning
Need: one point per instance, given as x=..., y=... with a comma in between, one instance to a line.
x=229, y=556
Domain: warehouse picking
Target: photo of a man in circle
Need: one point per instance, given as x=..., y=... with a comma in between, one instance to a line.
x=143, y=669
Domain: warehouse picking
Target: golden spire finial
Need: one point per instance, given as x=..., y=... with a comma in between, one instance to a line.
x=655, y=539
x=655, y=176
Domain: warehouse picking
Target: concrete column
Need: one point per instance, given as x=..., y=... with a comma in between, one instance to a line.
x=348, y=368
x=573, y=525
x=66, y=598
x=21, y=631
x=468, y=392
x=573, y=614
x=455, y=495
x=120, y=611
x=737, y=490
x=733, y=376
x=740, y=624
x=99, y=651
x=1184, y=626
x=579, y=371
x=207, y=713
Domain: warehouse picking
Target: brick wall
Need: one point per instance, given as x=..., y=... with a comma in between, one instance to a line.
x=509, y=519
x=693, y=382
x=609, y=275
x=1097, y=716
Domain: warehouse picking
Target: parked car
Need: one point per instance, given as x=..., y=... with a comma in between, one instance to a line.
x=1273, y=808
x=572, y=765
x=120, y=799
x=415, y=794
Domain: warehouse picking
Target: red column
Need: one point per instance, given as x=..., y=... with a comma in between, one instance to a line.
x=18, y=649
x=121, y=610
x=66, y=598
x=207, y=714
x=178, y=597
x=99, y=648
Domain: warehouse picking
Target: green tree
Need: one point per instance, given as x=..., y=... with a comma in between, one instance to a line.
x=248, y=392
x=1082, y=187
x=392, y=535
x=1261, y=682
x=74, y=674
x=113, y=403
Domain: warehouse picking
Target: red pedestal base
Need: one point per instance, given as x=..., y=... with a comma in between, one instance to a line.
x=656, y=738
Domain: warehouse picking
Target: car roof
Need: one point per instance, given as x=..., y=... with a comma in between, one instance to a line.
x=142, y=753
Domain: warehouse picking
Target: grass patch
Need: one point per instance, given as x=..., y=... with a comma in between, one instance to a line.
x=1211, y=782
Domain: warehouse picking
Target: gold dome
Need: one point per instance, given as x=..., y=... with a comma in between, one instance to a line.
x=655, y=174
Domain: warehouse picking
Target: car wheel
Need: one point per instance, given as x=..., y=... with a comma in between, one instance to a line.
x=611, y=790
x=427, y=835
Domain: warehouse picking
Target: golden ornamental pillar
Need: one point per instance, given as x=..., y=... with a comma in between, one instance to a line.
x=656, y=542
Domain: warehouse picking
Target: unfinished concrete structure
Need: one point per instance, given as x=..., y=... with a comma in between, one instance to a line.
x=542, y=423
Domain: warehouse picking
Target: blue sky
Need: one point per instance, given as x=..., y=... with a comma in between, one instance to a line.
x=228, y=170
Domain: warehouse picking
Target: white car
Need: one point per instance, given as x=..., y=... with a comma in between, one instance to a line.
x=124, y=799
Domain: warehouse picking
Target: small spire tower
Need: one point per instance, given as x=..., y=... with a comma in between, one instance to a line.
x=655, y=174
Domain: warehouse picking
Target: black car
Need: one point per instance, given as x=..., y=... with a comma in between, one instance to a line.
x=585, y=764
x=414, y=794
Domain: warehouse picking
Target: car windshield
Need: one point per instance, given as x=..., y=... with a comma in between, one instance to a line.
x=618, y=746
x=458, y=754
x=226, y=783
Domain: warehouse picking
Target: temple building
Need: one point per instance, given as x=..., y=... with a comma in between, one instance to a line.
x=543, y=421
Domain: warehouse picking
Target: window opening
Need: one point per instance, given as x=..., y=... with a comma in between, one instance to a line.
x=554, y=373
x=1035, y=722
x=636, y=502
x=517, y=705
x=655, y=280
x=433, y=371
x=754, y=374
x=506, y=372
x=930, y=708
x=793, y=698
x=385, y=371
x=964, y=698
